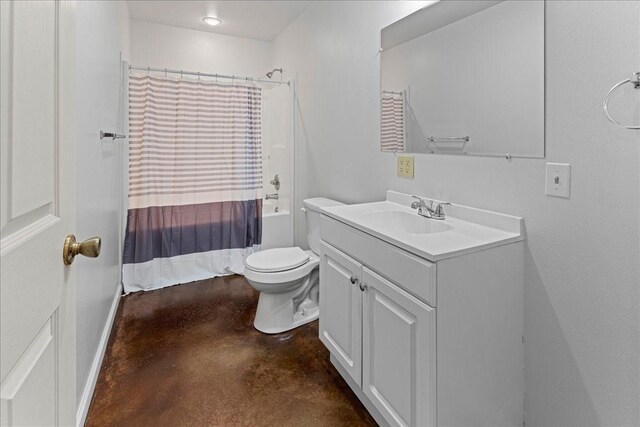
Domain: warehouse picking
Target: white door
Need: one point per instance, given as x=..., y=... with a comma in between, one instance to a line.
x=341, y=309
x=398, y=355
x=37, y=312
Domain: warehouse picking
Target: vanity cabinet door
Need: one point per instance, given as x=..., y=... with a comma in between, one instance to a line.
x=341, y=309
x=398, y=356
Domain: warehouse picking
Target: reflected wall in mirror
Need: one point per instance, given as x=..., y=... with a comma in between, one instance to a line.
x=465, y=77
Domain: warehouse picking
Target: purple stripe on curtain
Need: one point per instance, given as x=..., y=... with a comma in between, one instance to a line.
x=168, y=231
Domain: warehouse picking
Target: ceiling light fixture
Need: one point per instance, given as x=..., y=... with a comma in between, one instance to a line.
x=211, y=20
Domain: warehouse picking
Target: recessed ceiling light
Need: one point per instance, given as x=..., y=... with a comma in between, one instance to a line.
x=211, y=20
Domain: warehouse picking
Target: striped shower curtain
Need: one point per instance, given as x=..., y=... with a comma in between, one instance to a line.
x=392, y=121
x=195, y=173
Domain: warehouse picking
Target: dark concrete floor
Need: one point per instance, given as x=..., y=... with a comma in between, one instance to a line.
x=189, y=356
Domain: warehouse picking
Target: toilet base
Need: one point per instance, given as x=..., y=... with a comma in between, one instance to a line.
x=282, y=311
x=275, y=313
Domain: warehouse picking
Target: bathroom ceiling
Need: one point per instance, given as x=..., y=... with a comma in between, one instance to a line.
x=262, y=20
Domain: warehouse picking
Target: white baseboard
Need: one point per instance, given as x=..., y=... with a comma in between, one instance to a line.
x=87, y=394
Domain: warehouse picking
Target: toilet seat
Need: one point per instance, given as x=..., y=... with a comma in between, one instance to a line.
x=277, y=259
x=281, y=278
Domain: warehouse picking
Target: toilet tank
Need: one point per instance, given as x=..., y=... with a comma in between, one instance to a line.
x=312, y=217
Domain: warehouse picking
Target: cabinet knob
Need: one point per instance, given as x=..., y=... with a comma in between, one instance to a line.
x=354, y=279
x=363, y=287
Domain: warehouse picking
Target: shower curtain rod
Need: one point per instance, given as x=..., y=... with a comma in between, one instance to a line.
x=218, y=76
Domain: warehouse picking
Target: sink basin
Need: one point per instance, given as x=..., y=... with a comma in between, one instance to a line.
x=403, y=222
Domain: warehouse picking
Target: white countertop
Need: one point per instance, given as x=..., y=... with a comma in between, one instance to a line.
x=464, y=230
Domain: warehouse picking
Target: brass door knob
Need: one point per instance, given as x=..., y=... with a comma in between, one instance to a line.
x=71, y=248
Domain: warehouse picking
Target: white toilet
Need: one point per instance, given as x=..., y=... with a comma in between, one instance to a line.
x=288, y=278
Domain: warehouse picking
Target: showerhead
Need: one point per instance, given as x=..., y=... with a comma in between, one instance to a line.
x=270, y=73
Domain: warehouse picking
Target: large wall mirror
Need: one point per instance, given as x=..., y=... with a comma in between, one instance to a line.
x=465, y=77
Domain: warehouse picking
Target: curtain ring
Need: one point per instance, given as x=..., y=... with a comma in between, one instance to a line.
x=165, y=72
x=198, y=75
x=180, y=73
x=148, y=71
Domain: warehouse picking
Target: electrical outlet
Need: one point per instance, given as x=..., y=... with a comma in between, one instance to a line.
x=558, y=180
x=405, y=166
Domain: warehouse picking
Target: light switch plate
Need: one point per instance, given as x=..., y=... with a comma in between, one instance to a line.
x=558, y=180
x=405, y=166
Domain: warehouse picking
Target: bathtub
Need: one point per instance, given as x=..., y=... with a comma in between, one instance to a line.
x=277, y=229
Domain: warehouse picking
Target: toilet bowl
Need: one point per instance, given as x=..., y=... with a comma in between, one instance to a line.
x=288, y=278
x=288, y=296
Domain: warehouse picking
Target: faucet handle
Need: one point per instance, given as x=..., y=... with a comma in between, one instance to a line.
x=439, y=211
x=275, y=182
x=416, y=205
x=422, y=202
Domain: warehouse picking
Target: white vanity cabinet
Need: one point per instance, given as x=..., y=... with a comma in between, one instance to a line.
x=398, y=353
x=341, y=300
x=382, y=337
x=414, y=359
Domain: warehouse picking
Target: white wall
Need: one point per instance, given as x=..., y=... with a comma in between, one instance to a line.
x=582, y=267
x=103, y=37
x=277, y=139
x=164, y=46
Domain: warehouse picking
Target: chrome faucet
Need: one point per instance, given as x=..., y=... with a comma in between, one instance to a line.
x=425, y=208
x=273, y=196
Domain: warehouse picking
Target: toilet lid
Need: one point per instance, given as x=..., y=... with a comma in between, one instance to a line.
x=278, y=259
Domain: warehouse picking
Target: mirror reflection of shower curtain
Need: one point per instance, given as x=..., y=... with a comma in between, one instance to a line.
x=392, y=121
x=195, y=173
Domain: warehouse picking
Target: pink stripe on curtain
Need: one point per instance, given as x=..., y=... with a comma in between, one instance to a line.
x=208, y=127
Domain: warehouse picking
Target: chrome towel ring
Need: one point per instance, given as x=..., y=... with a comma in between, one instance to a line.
x=635, y=81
